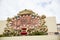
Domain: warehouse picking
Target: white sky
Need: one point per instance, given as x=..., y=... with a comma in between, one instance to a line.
x=10, y=8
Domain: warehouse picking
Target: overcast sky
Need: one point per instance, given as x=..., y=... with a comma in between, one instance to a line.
x=9, y=8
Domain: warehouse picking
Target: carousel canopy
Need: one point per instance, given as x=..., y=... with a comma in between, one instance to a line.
x=23, y=12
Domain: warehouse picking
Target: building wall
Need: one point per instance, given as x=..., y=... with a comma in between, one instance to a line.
x=2, y=26
x=51, y=24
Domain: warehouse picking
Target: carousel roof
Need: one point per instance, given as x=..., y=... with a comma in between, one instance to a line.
x=25, y=12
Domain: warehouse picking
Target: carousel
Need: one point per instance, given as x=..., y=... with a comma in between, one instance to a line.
x=26, y=23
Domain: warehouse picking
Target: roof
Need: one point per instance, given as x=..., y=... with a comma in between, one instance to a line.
x=25, y=12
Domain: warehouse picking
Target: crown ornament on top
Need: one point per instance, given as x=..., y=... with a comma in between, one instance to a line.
x=23, y=12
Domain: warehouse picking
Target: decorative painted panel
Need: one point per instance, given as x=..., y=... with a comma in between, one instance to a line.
x=26, y=23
